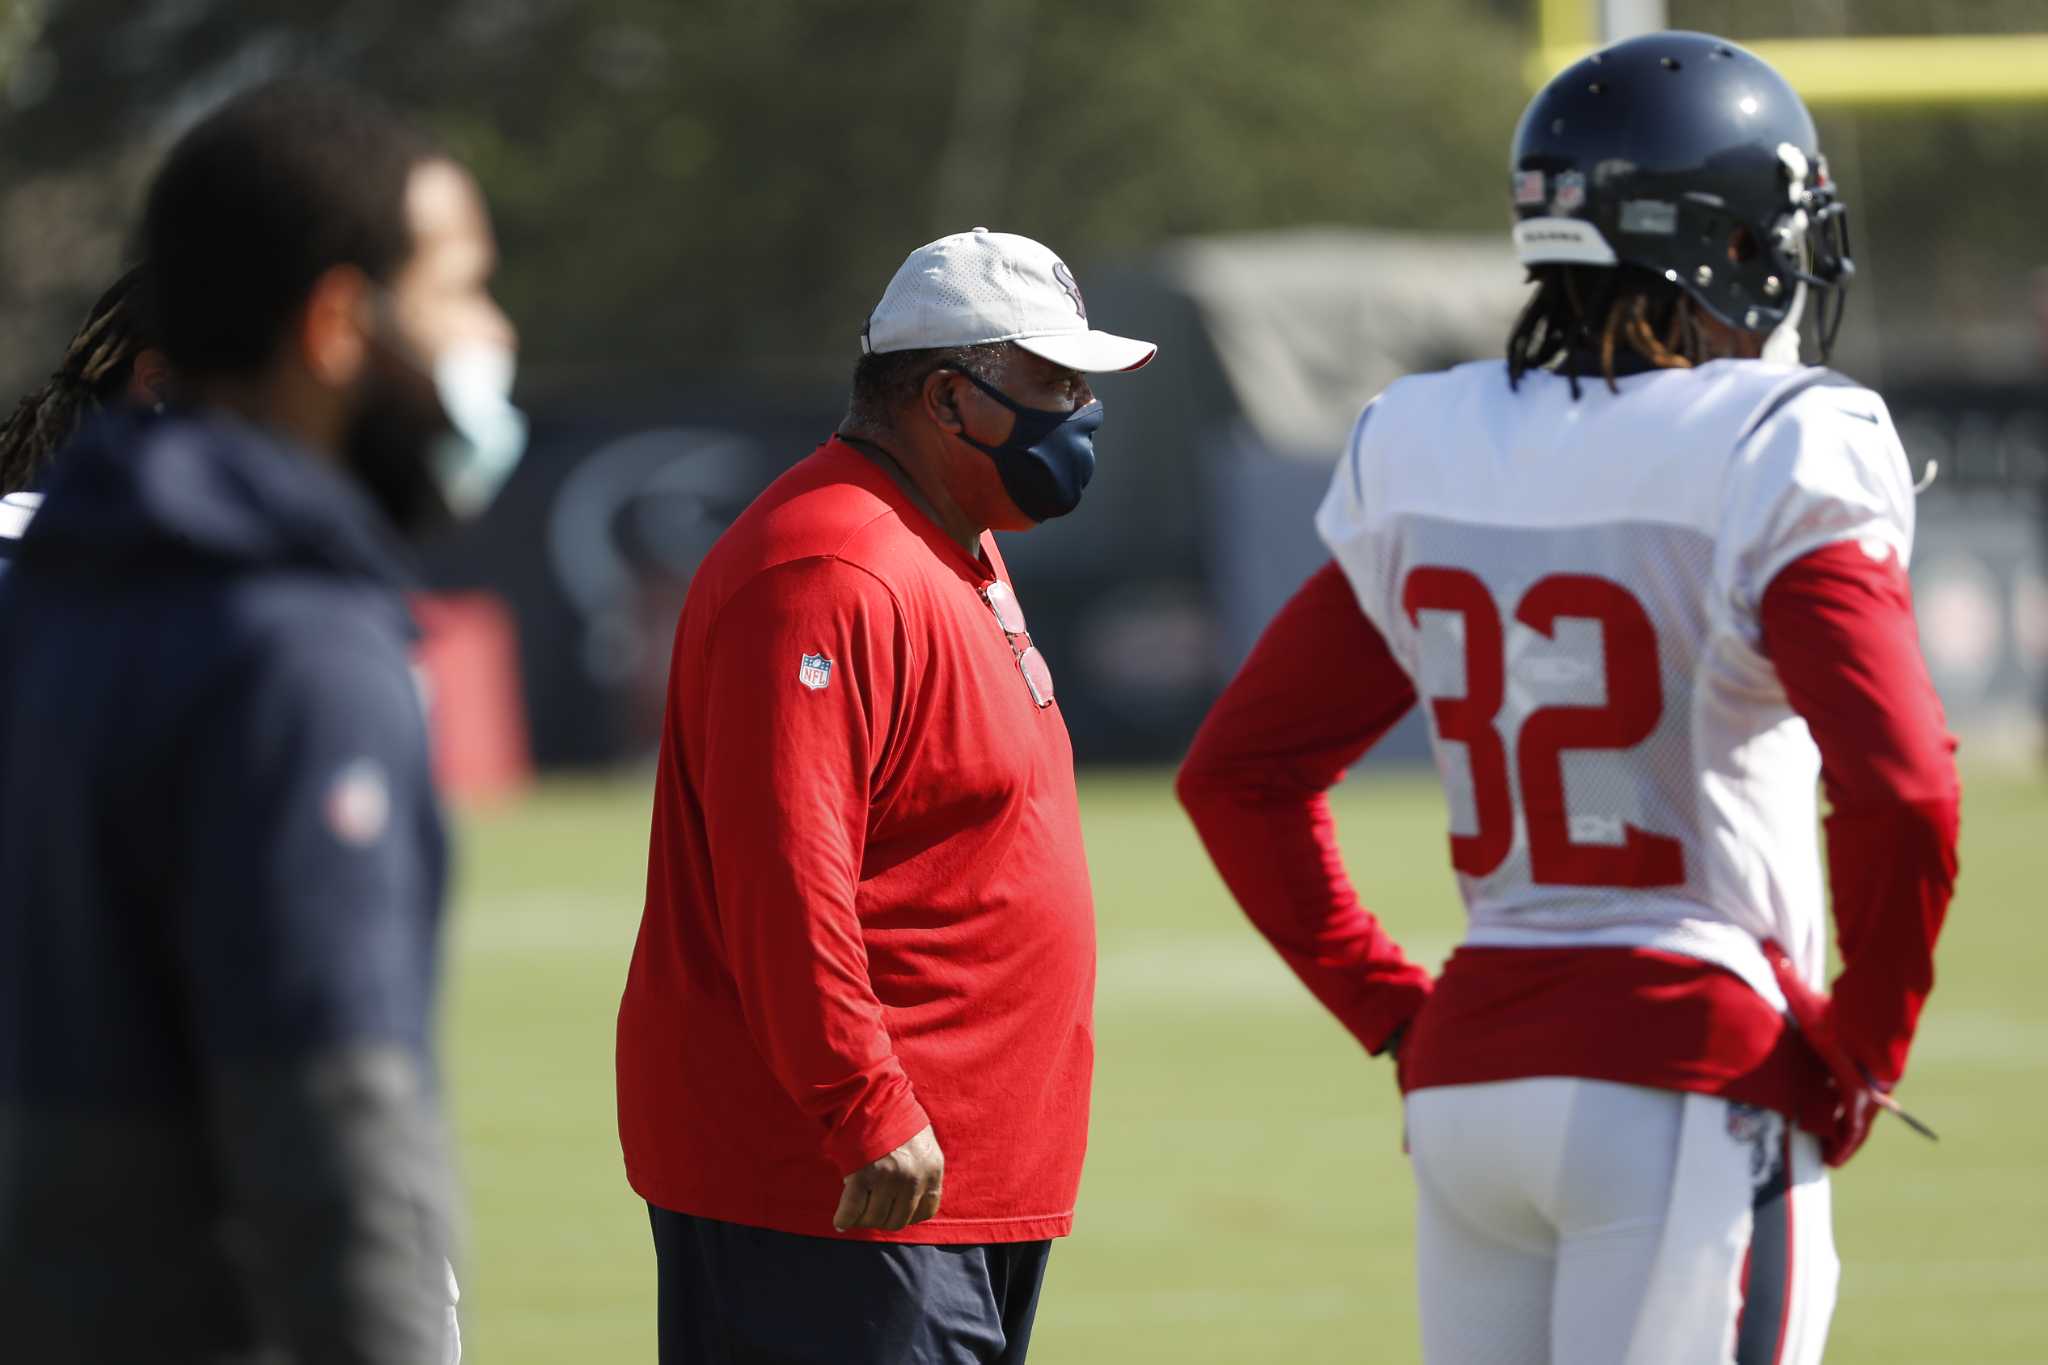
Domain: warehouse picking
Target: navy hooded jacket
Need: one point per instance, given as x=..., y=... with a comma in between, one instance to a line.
x=221, y=874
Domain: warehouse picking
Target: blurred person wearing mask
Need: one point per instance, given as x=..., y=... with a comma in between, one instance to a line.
x=856, y=1040
x=112, y=359
x=222, y=861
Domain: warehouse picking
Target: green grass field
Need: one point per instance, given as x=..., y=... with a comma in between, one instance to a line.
x=1246, y=1199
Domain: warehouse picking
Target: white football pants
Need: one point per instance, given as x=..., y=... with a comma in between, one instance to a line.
x=1574, y=1222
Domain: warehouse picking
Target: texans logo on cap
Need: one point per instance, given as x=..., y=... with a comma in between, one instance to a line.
x=1072, y=286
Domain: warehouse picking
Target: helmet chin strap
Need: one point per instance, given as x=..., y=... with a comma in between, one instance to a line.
x=1781, y=347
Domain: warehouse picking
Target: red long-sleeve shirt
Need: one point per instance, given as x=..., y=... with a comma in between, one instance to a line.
x=1322, y=687
x=868, y=907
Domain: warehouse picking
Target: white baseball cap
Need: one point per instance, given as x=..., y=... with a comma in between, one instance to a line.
x=973, y=288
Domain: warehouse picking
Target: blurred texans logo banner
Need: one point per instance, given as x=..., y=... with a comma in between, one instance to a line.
x=1071, y=285
x=814, y=672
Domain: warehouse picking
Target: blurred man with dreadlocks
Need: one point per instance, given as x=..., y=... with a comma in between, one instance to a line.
x=1648, y=579
x=112, y=359
x=222, y=862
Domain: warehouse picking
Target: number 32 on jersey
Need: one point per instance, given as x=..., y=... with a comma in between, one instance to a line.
x=1634, y=704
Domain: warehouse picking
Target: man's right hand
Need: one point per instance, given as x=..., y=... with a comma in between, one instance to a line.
x=899, y=1189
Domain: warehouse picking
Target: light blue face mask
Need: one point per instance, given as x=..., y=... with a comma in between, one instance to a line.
x=471, y=461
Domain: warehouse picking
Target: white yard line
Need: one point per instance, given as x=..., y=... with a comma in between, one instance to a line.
x=1233, y=969
x=1229, y=969
x=546, y=922
x=1212, y=1303
x=1964, y=1037
x=1160, y=969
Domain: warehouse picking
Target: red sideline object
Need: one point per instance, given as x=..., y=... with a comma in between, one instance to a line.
x=468, y=664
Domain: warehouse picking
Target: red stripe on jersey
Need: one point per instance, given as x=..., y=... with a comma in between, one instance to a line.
x=1794, y=1282
x=1632, y=1016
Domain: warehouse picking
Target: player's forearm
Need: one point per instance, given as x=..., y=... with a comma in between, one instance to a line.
x=1894, y=868
x=342, y=1188
x=1281, y=862
x=1318, y=691
x=1838, y=626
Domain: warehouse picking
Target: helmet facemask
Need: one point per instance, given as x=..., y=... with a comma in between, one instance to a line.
x=1809, y=245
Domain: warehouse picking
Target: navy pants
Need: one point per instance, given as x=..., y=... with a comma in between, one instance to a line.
x=735, y=1295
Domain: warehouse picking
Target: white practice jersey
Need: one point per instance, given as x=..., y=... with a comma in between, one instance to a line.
x=16, y=511
x=1575, y=589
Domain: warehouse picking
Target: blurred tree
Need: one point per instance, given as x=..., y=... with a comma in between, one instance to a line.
x=724, y=186
x=730, y=183
x=727, y=184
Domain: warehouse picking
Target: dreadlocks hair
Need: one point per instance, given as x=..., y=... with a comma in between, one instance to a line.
x=95, y=372
x=1583, y=311
x=884, y=382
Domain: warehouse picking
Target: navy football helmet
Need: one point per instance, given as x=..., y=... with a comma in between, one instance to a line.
x=1685, y=155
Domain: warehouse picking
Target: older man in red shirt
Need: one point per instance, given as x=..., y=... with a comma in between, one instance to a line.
x=856, y=1039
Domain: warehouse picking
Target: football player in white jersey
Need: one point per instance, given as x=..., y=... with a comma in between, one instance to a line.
x=1647, y=580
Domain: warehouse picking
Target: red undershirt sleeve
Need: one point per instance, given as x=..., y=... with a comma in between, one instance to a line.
x=792, y=748
x=1318, y=691
x=1838, y=625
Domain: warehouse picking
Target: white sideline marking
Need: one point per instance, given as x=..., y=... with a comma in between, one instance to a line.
x=1217, y=969
x=2003, y=1042
x=1163, y=969
x=546, y=922
x=1216, y=1303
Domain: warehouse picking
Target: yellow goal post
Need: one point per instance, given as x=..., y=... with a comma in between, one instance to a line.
x=1935, y=69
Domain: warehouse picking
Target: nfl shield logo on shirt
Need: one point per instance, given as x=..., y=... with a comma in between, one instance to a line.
x=358, y=804
x=814, y=672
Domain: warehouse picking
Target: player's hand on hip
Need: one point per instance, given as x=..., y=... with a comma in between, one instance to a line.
x=897, y=1190
x=1853, y=1111
x=1393, y=1050
x=1841, y=1109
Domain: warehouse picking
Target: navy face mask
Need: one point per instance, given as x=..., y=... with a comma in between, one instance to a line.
x=1048, y=457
